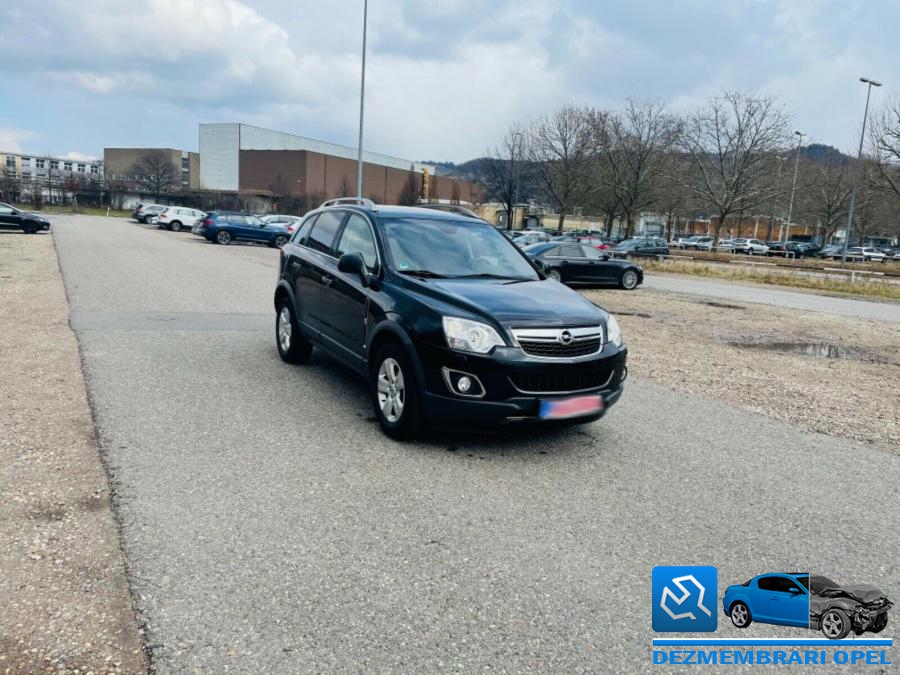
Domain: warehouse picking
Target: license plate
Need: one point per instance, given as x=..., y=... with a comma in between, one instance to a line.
x=561, y=409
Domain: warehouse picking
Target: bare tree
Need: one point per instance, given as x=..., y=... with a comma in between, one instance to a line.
x=454, y=193
x=885, y=138
x=559, y=150
x=155, y=172
x=280, y=190
x=631, y=145
x=345, y=189
x=732, y=142
x=824, y=201
x=504, y=171
x=409, y=194
x=10, y=185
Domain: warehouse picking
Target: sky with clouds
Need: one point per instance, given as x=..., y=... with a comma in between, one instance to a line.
x=444, y=77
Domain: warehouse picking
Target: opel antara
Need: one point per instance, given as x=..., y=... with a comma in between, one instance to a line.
x=449, y=322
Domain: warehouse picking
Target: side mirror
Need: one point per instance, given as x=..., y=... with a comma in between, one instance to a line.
x=540, y=264
x=353, y=263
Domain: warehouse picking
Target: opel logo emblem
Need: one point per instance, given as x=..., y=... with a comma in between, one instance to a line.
x=565, y=337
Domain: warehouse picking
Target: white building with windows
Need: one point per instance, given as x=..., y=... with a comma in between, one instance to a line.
x=27, y=167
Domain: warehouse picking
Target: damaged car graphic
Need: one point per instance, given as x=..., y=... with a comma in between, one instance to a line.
x=837, y=610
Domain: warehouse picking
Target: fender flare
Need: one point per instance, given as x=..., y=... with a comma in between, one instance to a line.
x=284, y=287
x=392, y=324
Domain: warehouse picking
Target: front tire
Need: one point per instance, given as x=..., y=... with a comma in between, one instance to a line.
x=555, y=275
x=740, y=615
x=223, y=237
x=292, y=347
x=835, y=624
x=175, y=226
x=880, y=623
x=629, y=280
x=395, y=393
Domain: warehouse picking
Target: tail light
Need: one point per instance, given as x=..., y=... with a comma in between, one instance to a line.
x=207, y=222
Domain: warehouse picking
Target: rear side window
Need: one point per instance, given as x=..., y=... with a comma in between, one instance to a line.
x=321, y=238
x=571, y=252
x=303, y=231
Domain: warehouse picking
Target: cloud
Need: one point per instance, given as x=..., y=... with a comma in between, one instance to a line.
x=14, y=140
x=80, y=157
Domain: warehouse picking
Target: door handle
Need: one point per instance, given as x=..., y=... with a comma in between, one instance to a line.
x=327, y=280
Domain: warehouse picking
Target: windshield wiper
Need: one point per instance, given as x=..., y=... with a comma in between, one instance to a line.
x=425, y=274
x=488, y=275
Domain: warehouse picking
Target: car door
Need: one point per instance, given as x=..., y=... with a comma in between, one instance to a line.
x=8, y=217
x=600, y=270
x=345, y=299
x=317, y=267
x=574, y=262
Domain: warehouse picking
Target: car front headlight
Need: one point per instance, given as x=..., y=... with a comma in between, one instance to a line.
x=613, y=332
x=470, y=336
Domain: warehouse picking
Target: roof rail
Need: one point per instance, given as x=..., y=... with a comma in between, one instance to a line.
x=452, y=208
x=362, y=201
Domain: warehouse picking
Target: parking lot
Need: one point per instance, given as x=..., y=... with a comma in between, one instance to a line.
x=269, y=526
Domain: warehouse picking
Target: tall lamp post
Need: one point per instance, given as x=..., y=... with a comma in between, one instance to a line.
x=362, y=102
x=516, y=142
x=787, y=229
x=858, y=177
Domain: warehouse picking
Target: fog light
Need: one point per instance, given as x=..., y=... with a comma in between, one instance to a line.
x=463, y=384
x=624, y=374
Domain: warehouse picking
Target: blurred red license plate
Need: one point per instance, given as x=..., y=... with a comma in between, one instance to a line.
x=570, y=407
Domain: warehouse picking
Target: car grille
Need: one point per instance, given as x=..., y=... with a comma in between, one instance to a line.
x=560, y=343
x=560, y=351
x=562, y=383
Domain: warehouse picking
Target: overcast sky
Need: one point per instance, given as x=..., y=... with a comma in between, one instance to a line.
x=444, y=77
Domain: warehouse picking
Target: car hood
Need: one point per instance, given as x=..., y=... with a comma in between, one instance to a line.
x=861, y=593
x=524, y=303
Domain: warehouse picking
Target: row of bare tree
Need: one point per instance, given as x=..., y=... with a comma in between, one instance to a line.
x=732, y=158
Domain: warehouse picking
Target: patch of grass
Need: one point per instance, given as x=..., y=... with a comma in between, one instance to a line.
x=871, y=289
x=82, y=210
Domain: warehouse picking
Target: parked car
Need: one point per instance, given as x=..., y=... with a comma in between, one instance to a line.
x=830, y=250
x=693, y=242
x=12, y=218
x=779, y=598
x=583, y=264
x=178, y=218
x=531, y=237
x=224, y=227
x=142, y=213
x=451, y=325
x=596, y=242
x=281, y=219
x=837, y=610
x=642, y=246
x=749, y=246
x=864, y=253
x=725, y=245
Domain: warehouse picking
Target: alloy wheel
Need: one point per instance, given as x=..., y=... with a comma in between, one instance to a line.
x=391, y=390
x=739, y=615
x=223, y=237
x=555, y=275
x=629, y=279
x=832, y=625
x=284, y=329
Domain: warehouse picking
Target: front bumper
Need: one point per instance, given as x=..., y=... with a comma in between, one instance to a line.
x=515, y=384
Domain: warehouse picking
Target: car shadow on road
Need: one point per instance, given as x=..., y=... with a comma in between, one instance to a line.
x=350, y=393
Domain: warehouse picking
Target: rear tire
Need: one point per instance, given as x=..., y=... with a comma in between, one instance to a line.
x=292, y=347
x=740, y=615
x=223, y=237
x=395, y=393
x=280, y=241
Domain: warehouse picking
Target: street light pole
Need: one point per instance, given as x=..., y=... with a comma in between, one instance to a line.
x=862, y=137
x=512, y=210
x=362, y=102
x=787, y=229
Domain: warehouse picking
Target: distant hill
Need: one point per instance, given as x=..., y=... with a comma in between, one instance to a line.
x=824, y=154
x=473, y=169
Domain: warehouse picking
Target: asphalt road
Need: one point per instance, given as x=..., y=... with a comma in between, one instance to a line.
x=766, y=295
x=270, y=527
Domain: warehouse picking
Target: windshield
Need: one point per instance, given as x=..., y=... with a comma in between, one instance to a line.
x=453, y=248
x=819, y=584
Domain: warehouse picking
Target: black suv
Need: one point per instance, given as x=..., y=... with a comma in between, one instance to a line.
x=29, y=223
x=451, y=324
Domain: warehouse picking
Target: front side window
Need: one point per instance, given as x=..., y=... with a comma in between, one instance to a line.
x=322, y=236
x=453, y=248
x=357, y=237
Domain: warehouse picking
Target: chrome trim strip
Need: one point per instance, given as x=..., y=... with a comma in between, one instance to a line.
x=573, y=391
x=540, y=336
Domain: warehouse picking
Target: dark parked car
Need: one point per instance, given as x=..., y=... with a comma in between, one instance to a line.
x=583, y=264
x=450, y=323
x=643, y=246
x=29, y=223
x=224, y=227
x=836, y=610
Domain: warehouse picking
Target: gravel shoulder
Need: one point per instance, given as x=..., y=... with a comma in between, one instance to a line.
x=717, y=348
x=64, y=600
